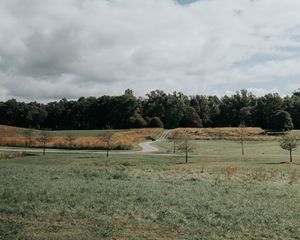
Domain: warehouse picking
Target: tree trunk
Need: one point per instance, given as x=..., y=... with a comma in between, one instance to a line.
x=44, y=149
x=174, y=149
x=186, y=152
x=291, y=155
x=243, y=152
x=107, y=148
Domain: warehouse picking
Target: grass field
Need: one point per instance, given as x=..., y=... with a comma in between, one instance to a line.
x=218, y=195
x=226, y=150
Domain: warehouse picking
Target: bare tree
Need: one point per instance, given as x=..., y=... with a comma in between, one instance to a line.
x=29, y=135
x=44, y=138
x=242, y=127
x=186, y=146
x=174, y=146
x=176, y=138
x=174, y=142
x=289, y=143
x=69, y=138
x=107, y=138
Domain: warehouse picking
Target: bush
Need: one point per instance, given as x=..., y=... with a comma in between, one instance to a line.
x=156, y=123
x=137, y=122
x=282, y=121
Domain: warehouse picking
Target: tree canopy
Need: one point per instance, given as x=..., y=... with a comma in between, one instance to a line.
x=157, y=108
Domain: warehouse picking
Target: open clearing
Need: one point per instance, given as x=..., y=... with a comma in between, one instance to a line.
x=218, y=195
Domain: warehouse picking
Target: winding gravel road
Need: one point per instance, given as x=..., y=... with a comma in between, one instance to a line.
x=147, y=146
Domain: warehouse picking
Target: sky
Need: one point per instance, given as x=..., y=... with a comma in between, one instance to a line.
x=71, y=48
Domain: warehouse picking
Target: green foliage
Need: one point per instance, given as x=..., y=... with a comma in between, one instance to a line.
x=289, y=143
x=137, y=121
x=190, y=118
x=156, y=123
x=282, y=121
x=126, y=110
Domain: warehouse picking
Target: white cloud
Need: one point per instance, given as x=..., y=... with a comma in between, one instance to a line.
x=72, y=48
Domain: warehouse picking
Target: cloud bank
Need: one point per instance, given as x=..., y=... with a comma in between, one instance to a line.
x=71, y=48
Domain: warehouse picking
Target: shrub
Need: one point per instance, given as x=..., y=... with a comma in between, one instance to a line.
x=156, y=123
x=137, y=121
x=282, y=121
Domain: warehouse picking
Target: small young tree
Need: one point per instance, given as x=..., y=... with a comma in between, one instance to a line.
x=290, y=144
x=242, y=127
x=186, y=146
x=44, y=138
x=29, y=135
x=174, y=142
x=174, y=146
x=107, y=138
x=70, y=140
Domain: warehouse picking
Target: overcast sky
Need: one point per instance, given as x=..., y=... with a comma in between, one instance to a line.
x=51, y=49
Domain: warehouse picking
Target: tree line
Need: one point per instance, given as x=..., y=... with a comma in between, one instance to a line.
x=157, y=109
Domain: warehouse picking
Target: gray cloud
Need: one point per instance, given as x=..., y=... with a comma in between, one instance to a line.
x=71, y=48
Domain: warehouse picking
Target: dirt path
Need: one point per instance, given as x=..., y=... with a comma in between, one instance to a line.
x=147, y=146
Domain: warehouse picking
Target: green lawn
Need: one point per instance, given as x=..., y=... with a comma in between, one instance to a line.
x=217, y=195
x=231, y=150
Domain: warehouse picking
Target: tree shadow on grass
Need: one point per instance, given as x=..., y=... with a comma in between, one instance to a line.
x=281, y=163
x=275, y=163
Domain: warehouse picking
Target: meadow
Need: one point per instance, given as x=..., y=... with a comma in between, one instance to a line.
x=77, y=139
x=217, y=195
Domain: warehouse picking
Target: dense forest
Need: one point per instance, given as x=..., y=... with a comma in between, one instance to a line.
x=157, y=109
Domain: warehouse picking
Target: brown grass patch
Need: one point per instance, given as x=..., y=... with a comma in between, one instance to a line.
x=230, y=172
x=294, y=178
x=250, y=134
x=121, y=140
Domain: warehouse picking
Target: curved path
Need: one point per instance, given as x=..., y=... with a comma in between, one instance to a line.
x=147, y=146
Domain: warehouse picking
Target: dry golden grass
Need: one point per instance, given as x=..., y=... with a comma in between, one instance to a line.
x=250, y=134
x=10, y=131
x=12, y=136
